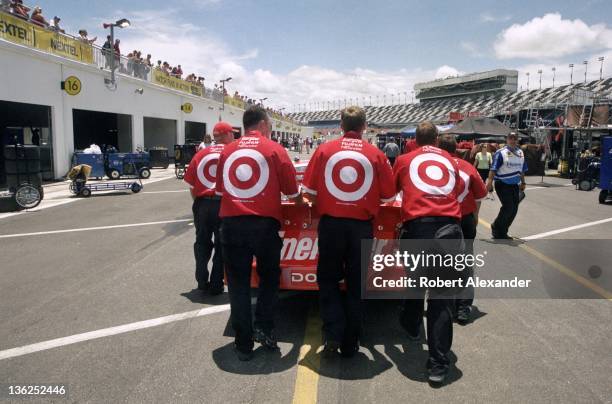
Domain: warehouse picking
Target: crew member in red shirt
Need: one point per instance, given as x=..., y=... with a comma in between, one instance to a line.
x=428, y=178
x=347, y=178
x=252, y=173
x=201, y=176
x=472, y=191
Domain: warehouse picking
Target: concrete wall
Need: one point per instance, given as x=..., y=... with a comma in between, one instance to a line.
x=34, y=77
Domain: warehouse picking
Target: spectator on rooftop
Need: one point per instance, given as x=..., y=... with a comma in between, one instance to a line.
x=84, y=38
x=55, y=26
x=5, y=5
x=37, y=17
x=19, y=9
x=106, y=51
x=179, y=71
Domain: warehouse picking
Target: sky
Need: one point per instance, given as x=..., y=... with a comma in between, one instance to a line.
x=297, y=53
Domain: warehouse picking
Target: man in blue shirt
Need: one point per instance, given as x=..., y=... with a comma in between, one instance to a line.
x=508, y=172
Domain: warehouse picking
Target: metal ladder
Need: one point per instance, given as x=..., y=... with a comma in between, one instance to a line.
x=586, y=115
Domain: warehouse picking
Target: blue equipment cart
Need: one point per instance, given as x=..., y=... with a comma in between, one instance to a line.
x=127, y=164
x=80, y=187
x=605, y=173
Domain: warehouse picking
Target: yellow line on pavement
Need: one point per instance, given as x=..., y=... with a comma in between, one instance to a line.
x=307, y=380
x=561, y=268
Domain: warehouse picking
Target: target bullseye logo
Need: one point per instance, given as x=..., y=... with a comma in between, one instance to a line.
x=245, y=173
x=432, y=174
x=466, y=186
x=207, y=170
x=348, y=175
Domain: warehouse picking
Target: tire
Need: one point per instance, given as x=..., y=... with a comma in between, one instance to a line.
x=114, y=174
x=85, y=192
x=136, y=187
x=585, y=185
x=603, y=195
x=144, y=173
x=27, y=196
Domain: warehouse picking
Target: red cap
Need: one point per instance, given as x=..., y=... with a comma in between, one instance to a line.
x=222, y=127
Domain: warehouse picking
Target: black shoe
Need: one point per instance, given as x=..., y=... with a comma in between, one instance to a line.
x=204, y=286
x=330, y=349
x=267, y=340
x=243, y=356
x=463, y=315
x=215, y=291
x=437, y=375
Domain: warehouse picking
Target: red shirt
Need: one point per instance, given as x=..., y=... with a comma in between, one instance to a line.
x=350, y=178
x=429, y=180
x=472, y=190
x=252, y=173
x=201, y=174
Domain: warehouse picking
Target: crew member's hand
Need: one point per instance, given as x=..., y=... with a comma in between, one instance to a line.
x=489, y=186
x=522, y=186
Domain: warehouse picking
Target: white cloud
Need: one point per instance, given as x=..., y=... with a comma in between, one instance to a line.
x=446, y=71
x=551, y=36
x=167, y=38
x=488, y=17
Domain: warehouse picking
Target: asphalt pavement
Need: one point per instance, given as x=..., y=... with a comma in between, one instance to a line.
x=98, y=294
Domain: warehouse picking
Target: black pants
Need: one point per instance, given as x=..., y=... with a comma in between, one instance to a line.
x=509, y=198
x=206, y=221
x=484, y=173
x=392, y=160
x=339, y=258
x=245, y=237
x=468, y=227
x=440, y=306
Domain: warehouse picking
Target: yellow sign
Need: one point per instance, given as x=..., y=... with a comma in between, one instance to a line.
x=72, y=85
x=160, y=78
x=63, y=45
x=187, y=108
x=234, y=102
x=16, y=30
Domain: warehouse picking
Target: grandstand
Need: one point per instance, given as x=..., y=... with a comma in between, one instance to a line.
x=492, y=82
x=496, y=104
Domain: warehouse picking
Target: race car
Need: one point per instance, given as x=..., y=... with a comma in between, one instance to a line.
x=299, y=253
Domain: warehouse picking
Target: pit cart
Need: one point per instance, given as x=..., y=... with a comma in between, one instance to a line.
x=183, y=153
x=131, y=165
x=587, y=173
x=79, y=186
x=605, y=171
x=23, y=176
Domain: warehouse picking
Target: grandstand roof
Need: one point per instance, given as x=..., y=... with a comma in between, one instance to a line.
x=486, y=104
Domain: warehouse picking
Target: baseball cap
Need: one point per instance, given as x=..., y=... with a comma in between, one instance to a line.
x=513, y=134
x=222, y=127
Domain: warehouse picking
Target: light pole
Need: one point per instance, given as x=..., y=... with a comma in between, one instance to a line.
x=405, y=98
x=554, y=69
x=600, y=59
x=540, y=73
x=223, y=91
x=527, y=80
x=412, y=96
x=261, y=100
x=122, y=23
x=586, y=65
x=571, y=66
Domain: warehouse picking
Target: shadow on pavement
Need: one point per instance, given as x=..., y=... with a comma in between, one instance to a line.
x=290, y=325
x=203, y=297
